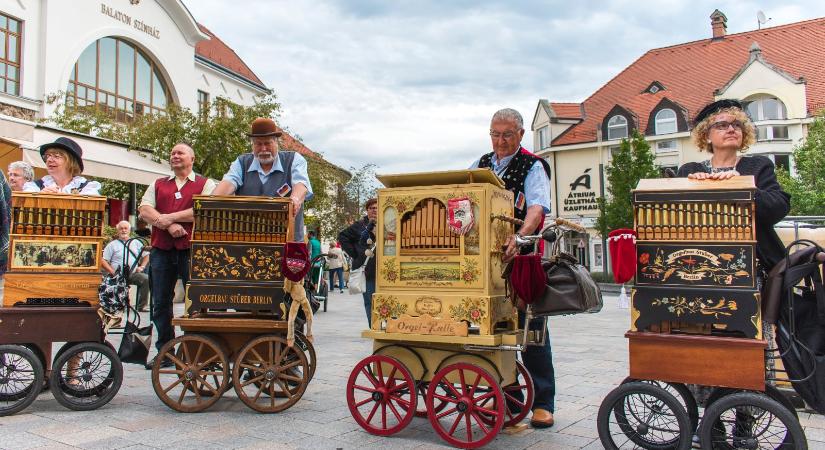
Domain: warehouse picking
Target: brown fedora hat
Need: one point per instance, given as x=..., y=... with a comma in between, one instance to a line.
x=263, y=126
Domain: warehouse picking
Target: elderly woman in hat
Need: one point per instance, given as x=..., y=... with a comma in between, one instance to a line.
x=64, y=163
x=725, y=131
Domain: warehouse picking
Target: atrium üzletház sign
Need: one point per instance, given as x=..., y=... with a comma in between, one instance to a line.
x=127, y=19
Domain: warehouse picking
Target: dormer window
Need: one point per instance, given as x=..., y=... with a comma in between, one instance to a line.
x=666, y=121
x=765, y=107
x=654, y=88
x=616, y=128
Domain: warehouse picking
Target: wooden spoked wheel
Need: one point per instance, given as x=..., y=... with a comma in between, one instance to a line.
x=381, y=395
x=199, y=365
x=268, y=375
x=421, y=410
x=21, y=378
x=474, y=413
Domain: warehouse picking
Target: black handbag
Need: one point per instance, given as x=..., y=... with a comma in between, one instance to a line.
x=570, y=288
x=136, y=341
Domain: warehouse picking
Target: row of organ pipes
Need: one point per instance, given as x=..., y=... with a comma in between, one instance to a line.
x=242, y=226
x=56, y=222
x=700, y=221
x=426, y=228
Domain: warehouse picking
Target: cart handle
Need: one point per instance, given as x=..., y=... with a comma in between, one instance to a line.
x=557, y=222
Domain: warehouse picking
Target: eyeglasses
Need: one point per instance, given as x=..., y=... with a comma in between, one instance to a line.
x=507, y=135
x=54, y=155
x=723, y=125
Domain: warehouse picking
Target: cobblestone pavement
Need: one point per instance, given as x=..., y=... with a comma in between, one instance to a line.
x=590, y=357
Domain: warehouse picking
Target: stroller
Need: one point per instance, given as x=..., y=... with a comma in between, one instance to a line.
x=795, y=302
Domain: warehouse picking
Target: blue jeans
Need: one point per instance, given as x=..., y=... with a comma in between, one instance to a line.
x=539, y=363
x=332, y=274
x=167, y=267
x=368, y=299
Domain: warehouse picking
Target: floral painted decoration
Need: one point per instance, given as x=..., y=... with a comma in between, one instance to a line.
x=387, y=307
x=470, y=309
x=681, y=306
x=388, y=271
x=470, y=270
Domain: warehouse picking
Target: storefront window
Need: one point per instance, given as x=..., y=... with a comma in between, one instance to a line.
x=10, y=55
x=116, y=76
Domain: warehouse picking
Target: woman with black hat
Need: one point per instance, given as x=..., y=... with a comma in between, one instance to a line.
x=64, y=163
x=724, y=130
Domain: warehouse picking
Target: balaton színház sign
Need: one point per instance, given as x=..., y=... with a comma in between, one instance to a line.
x=127, y=19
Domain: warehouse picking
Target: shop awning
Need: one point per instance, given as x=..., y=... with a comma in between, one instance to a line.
x=101, y=158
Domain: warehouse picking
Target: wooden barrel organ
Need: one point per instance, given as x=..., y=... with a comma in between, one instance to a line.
x=237, y=246
x=696, y=314
x=55, y=249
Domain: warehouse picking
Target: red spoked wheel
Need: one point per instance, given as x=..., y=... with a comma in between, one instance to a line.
x=421, y=411
x=516, y=409
x=381, y=395
x=474, y=412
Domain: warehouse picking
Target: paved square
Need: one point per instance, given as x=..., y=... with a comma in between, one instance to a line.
x=590, y=357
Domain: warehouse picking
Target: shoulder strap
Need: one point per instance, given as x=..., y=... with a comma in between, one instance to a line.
x=82, y=185
x=39, y=184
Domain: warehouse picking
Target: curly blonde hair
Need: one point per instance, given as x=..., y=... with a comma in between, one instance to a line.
x=702, y=129
x=73, y=165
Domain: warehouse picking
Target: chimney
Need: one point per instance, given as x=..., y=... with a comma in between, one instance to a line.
x=719, y=24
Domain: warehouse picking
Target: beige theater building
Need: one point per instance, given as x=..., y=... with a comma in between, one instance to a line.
x=127, y=57
x=778, y=72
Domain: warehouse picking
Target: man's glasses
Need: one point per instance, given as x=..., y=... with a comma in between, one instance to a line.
x=723, y=125
x=507, y=136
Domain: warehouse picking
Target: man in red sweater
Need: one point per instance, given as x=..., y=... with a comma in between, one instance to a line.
x=167, y=206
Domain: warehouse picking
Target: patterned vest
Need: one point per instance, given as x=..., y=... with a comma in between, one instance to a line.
x=515, y=175
x=165, y=203
x=251, y=184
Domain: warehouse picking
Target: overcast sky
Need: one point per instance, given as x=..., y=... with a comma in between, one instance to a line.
x=411, y=86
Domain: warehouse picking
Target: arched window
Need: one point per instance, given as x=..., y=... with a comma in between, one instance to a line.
x=616, y=127
x=116, y=76
x=765, y=107
x=666, y=121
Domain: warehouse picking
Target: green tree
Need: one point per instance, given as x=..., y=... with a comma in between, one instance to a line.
x=807, y=188
x=631, y=162
x=218, y=139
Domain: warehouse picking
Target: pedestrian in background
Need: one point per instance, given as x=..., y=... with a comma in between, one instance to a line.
x=335, y=265
x=356, y=247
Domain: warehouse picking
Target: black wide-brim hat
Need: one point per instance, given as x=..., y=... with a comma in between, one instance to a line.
x=64, y=143
x=712, y=108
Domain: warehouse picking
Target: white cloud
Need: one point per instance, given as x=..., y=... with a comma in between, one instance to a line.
x=411, y=86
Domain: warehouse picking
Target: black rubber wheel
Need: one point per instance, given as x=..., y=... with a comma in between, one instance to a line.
x=639, y=414
x=750, y=420
x=86, y=376
x=324, y=293
x=682, y=393
x=21, y=378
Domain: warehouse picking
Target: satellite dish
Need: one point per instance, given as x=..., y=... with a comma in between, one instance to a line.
x=760, y=16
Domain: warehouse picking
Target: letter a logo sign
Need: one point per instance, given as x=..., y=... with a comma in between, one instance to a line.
x=583, y=180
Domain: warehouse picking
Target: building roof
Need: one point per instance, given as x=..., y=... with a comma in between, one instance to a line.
x=692, y=72
x=216, y=51
x=288, y=142
x=567, y=110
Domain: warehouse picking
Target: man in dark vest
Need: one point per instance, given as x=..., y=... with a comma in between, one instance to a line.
x=528, y=177
x=167, y=205
x=269, y=172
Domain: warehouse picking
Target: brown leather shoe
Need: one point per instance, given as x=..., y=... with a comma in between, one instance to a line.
x=542, y=418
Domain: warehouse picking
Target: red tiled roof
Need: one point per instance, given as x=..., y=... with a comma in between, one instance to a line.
x=691, y=72
x=290, y=143
x=567, y=110
x=215, y=50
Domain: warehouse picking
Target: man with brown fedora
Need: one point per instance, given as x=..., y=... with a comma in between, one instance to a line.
x=269, y=172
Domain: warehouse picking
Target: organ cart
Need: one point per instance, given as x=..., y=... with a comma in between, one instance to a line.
x=695, y=319
x=237, y=247
x=51, y=296
x=444, y=330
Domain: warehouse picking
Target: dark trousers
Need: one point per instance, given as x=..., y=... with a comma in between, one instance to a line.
x=539, y=363
x=167, y=267
x=339, y=272
x=368, y=299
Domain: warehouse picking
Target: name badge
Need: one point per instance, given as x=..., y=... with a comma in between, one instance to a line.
x=284, y=190
x=178, y=196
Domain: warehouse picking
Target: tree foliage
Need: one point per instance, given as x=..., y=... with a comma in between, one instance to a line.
x=631, y=162
x=218, y=138
x=807, y=188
